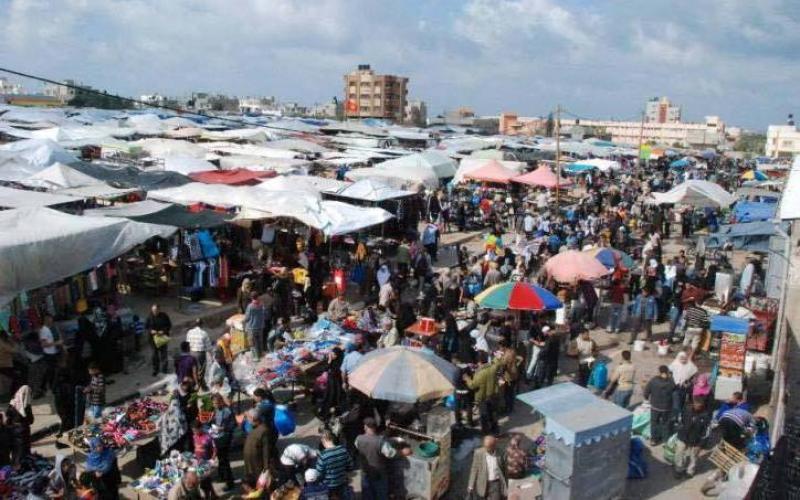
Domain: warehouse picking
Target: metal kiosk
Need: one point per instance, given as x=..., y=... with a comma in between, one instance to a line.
x=588, y=441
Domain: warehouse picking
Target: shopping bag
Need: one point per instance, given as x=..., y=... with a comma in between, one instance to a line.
x=669, y=449
x=641, y=420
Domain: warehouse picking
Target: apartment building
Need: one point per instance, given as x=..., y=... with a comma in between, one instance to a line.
x=370, y=95
x=661, y=110
x=782, y=141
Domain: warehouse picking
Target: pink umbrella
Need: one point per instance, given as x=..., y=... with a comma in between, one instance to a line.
x=493, y=171
x=573, y=266
x=542, y=176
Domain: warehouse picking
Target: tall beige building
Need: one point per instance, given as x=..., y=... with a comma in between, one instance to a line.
x=368, y=95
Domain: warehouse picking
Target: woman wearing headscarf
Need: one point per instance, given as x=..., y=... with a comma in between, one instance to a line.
x=333, y=389
x=19, y=418
x=102, y=462
x=683, y=371
x=63, y=480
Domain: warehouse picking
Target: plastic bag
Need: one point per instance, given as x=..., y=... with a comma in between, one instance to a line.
x=599, y=376
x=244, y=369
x=284, y=420
x=641, y=420
x=669, y=449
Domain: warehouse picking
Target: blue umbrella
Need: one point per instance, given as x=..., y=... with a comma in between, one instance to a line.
x=682, y=163
x=708, y=154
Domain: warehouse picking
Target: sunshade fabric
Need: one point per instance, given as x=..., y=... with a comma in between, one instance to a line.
x=573, y=266
x=403, y=374
x=543, y=177
x=518, y=296
x=42, y=246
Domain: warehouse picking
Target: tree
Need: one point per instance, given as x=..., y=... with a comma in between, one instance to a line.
x=85, y=99
x=550, y=126
x=751, y=143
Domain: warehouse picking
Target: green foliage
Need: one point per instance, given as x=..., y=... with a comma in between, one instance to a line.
x=84, y=99
x=751, y=143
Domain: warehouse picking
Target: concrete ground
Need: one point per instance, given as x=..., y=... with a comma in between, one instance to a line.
x=660, y=483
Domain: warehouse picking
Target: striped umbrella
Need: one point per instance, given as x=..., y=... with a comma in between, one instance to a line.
x=754, y=175
x=611, y=257
x=404, y=375
x=518, y=296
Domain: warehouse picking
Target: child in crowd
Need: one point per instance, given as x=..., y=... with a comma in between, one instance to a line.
x=95, y=392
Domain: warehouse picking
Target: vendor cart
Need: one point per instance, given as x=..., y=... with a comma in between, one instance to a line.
x=731, y=356
x=588, y=441
x=424, y=474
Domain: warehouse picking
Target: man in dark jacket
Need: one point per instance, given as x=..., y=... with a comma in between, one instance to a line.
x=693, y=427
x=658, y=392
x=257, y=446
x=158, y=326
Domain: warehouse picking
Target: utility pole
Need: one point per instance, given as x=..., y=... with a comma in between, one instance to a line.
x=558, y=155
x=641, y=139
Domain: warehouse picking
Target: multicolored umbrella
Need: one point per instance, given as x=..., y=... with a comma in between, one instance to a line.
x=754, y=175
x=611, y=257
x=518, y=296
x=404, y=375
x=573, y=266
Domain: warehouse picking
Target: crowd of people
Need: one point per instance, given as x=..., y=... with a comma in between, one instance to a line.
x=498, y=354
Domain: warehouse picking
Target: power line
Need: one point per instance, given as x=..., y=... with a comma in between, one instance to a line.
x=140, y=102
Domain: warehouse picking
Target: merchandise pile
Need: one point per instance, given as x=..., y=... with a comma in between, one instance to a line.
x=15, y=484
x=167, y=472
x=122, y=425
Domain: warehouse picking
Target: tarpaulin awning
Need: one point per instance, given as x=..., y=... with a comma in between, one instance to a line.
x=370, y=190
x=20, y=198
x=41, y=246
x=469, y=164
x=132, y=176
x=59, y=176
x=751, y=211
x=440, y=164
x=168, y=214
x=543, y=177
x=333, y=218
x=598, y=163
x=305, y=183
x=400, y=178
x=575, y=415
x=790, y=202
x=699, y=194
x=493, y=171
x=722, y=323
x=239, y=176
x=751, y=236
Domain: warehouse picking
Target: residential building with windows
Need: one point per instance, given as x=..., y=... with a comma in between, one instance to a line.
x=416, y=113
x=9, y=88
x=370, y=95
x=661, y=110
x=782, y=141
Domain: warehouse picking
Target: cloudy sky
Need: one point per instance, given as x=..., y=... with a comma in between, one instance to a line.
x=598, y=58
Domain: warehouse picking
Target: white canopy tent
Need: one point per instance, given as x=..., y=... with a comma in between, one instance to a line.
x=41, y=246
x=410, y=177
x=65, y=180
x=306, y=183
x=21, y=198
x=370, y=190
x=330, y=217
x=790, y=201
x=440, y=164
x=696, y=193
x=21, y=159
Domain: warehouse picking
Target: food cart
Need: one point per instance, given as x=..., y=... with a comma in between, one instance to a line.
x=731, y=355
x=588, y=441
x=425, y=472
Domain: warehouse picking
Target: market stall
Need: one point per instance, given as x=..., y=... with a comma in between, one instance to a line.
x=587, y=441
x=166, y=473
x=730, y=347
x=406, y=375
x=121, y=427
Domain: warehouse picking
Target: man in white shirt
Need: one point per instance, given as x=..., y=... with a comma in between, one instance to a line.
x=199, y=346
x=528, y=224
x=50, y=350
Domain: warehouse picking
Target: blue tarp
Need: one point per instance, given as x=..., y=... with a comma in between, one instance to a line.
x=751, y=236
x=751, y=211
x=720, y=323
x=579, y=168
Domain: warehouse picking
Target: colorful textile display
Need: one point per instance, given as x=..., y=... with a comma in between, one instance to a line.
x=122, y=425
x=167, y=472
x=14, y=484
